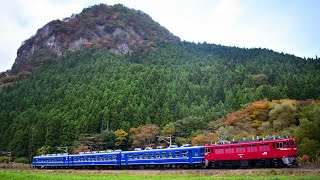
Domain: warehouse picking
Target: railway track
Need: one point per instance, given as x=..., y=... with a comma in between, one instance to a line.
x=209, y=172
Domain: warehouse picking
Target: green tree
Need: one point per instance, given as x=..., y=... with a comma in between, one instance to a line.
x=185, y=126
x=108, y=138
x=309, y=147
x=283, y=115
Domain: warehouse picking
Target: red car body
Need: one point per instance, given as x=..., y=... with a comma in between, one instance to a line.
x=258, y=153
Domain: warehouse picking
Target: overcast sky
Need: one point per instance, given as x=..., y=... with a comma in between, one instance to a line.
x=289, y=26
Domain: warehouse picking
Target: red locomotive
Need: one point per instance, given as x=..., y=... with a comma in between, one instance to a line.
x=270, y=152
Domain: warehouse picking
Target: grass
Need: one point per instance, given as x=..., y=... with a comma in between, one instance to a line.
x=74, y=175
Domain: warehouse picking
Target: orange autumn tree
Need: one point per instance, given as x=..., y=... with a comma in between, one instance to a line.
x=146, y=136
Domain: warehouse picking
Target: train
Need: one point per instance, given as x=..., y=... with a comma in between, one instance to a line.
x=280, y=152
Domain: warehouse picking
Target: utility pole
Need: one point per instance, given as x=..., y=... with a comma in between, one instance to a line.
x=162, y=138
x=9, y=154
x=65, y=149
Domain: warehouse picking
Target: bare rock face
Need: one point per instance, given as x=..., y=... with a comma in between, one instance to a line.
x=114, y=28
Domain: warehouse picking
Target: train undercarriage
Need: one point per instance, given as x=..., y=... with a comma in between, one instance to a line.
x=256, y=163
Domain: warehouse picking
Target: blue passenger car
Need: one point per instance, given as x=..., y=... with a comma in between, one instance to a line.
x=50, y=161
x=95, y=159
x=183, y=156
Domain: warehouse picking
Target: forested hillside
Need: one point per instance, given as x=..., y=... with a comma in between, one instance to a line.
x=111, y=77
x=182, y=89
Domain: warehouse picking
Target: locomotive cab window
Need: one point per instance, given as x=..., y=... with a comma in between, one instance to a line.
x=280, y=145
x=207, y=150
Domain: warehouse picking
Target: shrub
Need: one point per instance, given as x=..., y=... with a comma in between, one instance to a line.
x=4, y=159
x=22, y=160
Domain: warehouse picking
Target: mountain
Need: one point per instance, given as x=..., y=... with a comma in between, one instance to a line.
x=111, y=68
x=113, y=28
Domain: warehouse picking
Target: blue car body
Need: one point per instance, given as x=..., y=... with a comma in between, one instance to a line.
x=50, y=161
x=182, y=155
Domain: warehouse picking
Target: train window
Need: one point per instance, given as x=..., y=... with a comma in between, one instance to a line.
x=201, y=152
x=240, y=149
x=135, y=156
x=146, y=156
x=262, y=147
x=207, y=150
x=177, y=154
x=196, y=153
x=157, y=155
x=252, y=148
x=164, y=154
x=280, y=145
x=140, y=156
x=229, y=149
x=184, y=153
x=286, y=143
x=151, y=156
x=170, y=155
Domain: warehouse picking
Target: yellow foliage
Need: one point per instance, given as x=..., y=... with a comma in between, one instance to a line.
x=121, y=137
x=200, y=140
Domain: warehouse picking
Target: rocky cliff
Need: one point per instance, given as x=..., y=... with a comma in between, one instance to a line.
x=114, y=28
